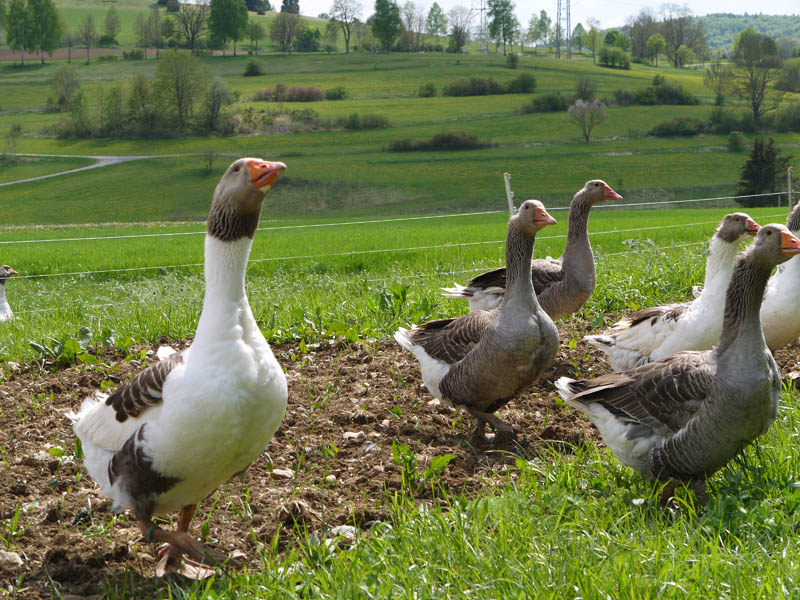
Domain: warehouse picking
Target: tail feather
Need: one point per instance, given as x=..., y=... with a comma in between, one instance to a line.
x=459, y=291
x=601, y=342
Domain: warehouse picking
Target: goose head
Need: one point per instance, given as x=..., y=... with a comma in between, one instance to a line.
x=236, y=207
x=735, y=226
x=596, y=191
x=793, y=220
x=532, y=217
x=5, y=273
x=774, y=245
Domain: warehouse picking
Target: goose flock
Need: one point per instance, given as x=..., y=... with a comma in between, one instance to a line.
x=692, y=383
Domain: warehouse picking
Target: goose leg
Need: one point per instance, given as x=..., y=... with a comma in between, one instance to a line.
x=503, y=431
x=667, y=494
x=699, y=488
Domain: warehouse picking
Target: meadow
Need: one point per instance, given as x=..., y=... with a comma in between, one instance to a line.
x=354, y=242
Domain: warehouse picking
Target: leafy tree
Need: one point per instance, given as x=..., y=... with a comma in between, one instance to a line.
x=685, y=55
x=587, y=116
x=436, y=22
x=256, y=33
x=306, y=39
x=542, y=26
x=592, y=39
x=217, y=97
x=68, y=40
x=639, y=29
x=290, y=6
x=386, y=23
x=717, y=79
x=761, y=172
x=180, y=80
x=679, y=29
x=656, y=44
x=87, y=35
x=112, y=112
x=623, y=42
x=345, y=13
x=756, y=66
x=44, y=27
x=789, y=77
x=610, y=37
x=65, y=85
x=227, y=20
x=17, y=27
x=502, y=22
x=577, y=37
x=413, y=25
x=2, y=18
x=192, y=20
x=459, y=18
x=585, y=88
x=282, y=30
x=113, y=25
x=141, y=112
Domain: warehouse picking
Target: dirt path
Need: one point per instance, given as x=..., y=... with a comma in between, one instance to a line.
x=102, y=161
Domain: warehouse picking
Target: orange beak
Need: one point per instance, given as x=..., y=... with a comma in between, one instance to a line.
x=264, y=172
x=752, y=227
x=789, y=243
x=542, y=216
x=13, y=272
x=610, y=194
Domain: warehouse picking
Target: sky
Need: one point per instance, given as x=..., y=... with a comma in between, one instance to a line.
x=610, y=13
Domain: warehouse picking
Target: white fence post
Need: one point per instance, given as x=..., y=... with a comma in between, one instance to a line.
x=509, y=193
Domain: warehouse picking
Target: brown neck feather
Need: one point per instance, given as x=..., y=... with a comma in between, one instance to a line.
x=743, y=297
x=228, y=223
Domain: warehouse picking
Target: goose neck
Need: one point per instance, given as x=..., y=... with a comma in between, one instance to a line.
x=224, y=273
x=741, y=323
x=719, y=266
x=519, y=250
x=578, y=250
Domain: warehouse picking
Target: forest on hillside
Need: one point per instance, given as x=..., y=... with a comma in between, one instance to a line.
x=722, y=27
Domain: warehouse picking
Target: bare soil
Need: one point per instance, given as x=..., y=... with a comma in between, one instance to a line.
x=329, y=464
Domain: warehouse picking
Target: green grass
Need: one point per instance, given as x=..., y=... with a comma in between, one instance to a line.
x=24, y=167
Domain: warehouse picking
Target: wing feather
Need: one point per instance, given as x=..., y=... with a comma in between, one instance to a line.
x=450, y=340
x=146, y=389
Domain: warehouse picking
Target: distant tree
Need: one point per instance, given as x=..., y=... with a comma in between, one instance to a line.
x=331, y=35
x=460, y=19
x=209, y=154
x=610, y=37
x=756, y=66
x=623, y=42
x=87, y=35
x=585, y=88
x=68, y=40
x=762, y=172
x=3, y=13
x=180, y=80
x=217, y=97
x=413, y=25
x=587, y=116
x=12, y=138
x=65, y=85
x=678, y=28
x=386, y=23
x=141, y=112
x=113, y=25
x=592, y=39
x=256, y=33
x=656, y=44
x=502, y=22
x=173, y=6
x=112, y=112
x=685, y=55
x=436, y=22
x=345, y=13
x=192, y=20
x=290, y=6
x=227, y=20
x=639, y=29
x=44, y=27
x=17, y=27
x=717, y=78
x=282, y=30
x=155, y=28
x=788, y=79
x=577, y=37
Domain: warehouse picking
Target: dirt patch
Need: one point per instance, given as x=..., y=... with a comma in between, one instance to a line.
x=329, y=464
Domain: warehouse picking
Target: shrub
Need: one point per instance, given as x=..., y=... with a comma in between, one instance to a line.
x=106, y=40
x=662, y=93
x=252, y=69
x=788, y=118
x=524, y=83
x=303, y=93
x=173, y=6
x=458, y=140
x=789, y=76
x=512, y=60
x=135, y=54
x=735, y=141
x=658, y=79
x=474, y=86
x=585, y=88
x=369, y=121
x=551, y=102
x=678, y=126
x=722, y=121
x=336, y=93
x=427, y=91
x=107, y=58
x=612, y=56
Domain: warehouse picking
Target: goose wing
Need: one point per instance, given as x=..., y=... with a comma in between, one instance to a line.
x=450, y=340
x=146, y=389
x=545, y=272
x=660, y=395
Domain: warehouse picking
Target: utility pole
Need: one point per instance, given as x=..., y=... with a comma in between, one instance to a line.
x=563, y=27
x=483, y=29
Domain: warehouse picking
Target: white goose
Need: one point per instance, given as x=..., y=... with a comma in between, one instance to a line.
x=655, y=333
x=5, y=307
x=169, y=437
x=780, y=315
